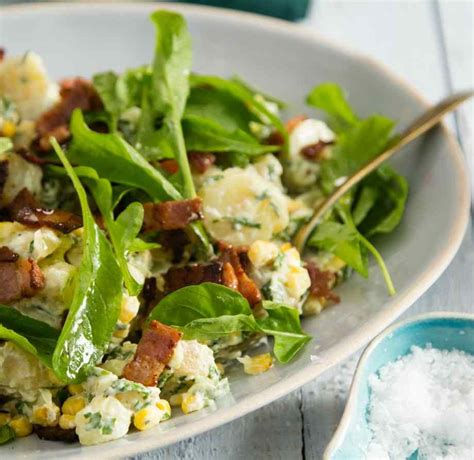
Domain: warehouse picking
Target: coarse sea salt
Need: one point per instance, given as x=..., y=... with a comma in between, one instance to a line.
x=423, y=404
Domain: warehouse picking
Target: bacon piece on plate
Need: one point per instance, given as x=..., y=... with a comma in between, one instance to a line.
x=171, y=215
x=245, y=285
x=321, y=283
x=19, y=279
x=201, y=161
x=76, y=93
x=7, y=255
x=154, y=350
x=26, y=210
x=192, y=274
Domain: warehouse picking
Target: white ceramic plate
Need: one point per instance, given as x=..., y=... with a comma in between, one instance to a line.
x=284, y=60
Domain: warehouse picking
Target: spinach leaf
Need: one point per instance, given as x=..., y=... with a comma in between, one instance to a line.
x=283, y=323
x=330, y=98
x=381, y=201
x=5, y=144
x=356, y=147
x=208, y=311
x=170, y=84
x=95, y=305
x=343, y=241
x=29, y=334
x=205, y=135
x=6, y=434
x=218, y=106
x=116, y=160
x=244, y=95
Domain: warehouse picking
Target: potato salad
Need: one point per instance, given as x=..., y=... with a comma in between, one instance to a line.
x=147, y=225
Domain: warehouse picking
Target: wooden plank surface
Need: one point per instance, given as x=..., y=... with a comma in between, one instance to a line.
x=430, y=45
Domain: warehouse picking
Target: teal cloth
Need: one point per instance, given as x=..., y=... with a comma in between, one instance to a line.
x=291, y=10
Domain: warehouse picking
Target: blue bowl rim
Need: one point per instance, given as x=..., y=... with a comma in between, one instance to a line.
x=351, y=405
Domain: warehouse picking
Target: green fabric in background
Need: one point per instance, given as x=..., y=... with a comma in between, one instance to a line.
x=291, y=10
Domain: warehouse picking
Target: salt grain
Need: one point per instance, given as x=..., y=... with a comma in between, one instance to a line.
x=423, y=403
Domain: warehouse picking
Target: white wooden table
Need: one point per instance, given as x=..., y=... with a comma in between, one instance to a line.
x=430, y=44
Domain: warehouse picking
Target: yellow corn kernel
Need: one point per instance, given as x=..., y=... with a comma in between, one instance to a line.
x=8, y=128
x=165, y=407
x=285, y=247
x=75, y=388
x=254, y=365
x=192, y=402
x=297, y=282
x=4, y=418
x=262, y=253
x=67, y=422
x=121, y=333
x=337, y=263
x=45, y=416
x=176, y=400
x=21, y=426
x=128, y=309
x=146, y=418
x=73, y=405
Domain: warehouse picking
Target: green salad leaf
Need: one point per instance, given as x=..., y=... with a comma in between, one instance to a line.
x=170, y=84
x=116, y=160
x=381, y=201
x=330, y=98
x=31, y=335
x=243, y=94
x=208, y=311
x=206, y=135
x=6, y=434
x=343, y=241
x=97, y=297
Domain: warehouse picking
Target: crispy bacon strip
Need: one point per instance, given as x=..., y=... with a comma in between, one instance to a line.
x=19, y=279
x=55, y=433
x=178, y=277
x=76, y=93
x=171, y=215
x=154, y=350
x=245, y=285
x=321, y=283
x=201, y=161
x=170, y=166
x=7, y=255
x=26, y=210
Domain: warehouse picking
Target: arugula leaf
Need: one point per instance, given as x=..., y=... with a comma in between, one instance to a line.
x=205, y=135
x=330, y=98
x=29, y=334
x=356, y=147
x=343, y=241
x=283, y=323
x=218, y=106
x=381, y=201
x=208, y=311
x=256, y=92
x=170, y=83
x=116, y=160
x=6, y=434
x=95, y=305
x=5, y=144
x=244, y=95
x=106, y=85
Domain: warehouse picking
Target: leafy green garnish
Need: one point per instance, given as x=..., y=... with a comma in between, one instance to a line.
x=116, y=160
x=208, y=311
x=381, y=201
x=31, y=335
x=244, y=95
x=170, y=83
x=95, y=305
x=330, y=98
x=6, y=434
x=205, y=135
x=5, y=144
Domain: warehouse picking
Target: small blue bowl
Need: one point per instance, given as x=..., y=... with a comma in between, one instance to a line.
x=444, y=330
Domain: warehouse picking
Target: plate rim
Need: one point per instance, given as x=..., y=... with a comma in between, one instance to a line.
x=365, y=333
